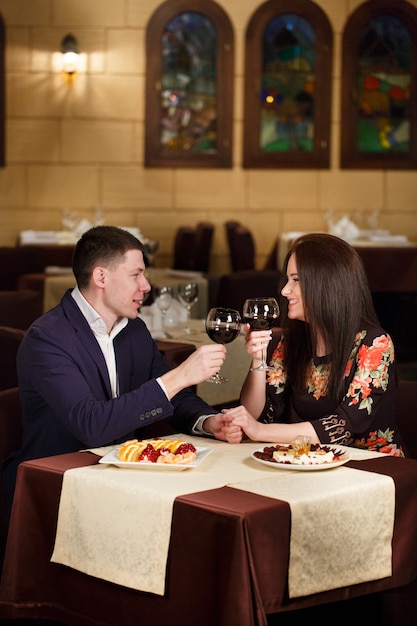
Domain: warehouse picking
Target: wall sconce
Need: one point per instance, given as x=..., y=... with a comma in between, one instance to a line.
x=70, y=54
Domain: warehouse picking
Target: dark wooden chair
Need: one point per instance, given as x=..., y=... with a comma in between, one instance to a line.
x=271, y=262
x=11, y=432
x=18, y=309
x=184, y=248
x=11, y=429
x=202, y=246
x=17, y=260
x=10, y=339
x=241, y=246
x=192, y=247
x=235, y=287
x=406, y=415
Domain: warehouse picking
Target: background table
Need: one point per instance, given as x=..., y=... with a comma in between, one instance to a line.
x=389, y=267
x=234, y=368
x=56, y=285
x=228, y=561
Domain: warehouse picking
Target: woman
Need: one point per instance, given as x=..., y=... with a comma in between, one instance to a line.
x=334, y=364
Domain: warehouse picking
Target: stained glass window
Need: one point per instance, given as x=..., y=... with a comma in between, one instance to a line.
x=384, y=82
x=188, y=97
x=379, y=98
x=188, y=116
x=287, y=86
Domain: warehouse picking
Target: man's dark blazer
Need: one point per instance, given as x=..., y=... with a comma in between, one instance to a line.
x=65, y=391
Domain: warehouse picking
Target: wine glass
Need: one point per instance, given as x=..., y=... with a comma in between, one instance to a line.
x=163, y=299
x=261, y=314
x=222, y=326
x=188, y=295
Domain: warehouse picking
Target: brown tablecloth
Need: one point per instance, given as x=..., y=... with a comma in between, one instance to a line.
x=228, y=558
x=390, y=269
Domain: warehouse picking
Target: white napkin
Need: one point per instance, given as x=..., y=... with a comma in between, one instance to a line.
x=38, y=236
x=345, y=229
x=152, y=316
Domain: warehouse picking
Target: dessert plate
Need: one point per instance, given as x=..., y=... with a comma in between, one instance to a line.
x=341, y=458
x=112, y=459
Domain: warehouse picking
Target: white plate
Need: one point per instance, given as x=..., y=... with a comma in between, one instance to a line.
x=112, y=459
x=303, y=468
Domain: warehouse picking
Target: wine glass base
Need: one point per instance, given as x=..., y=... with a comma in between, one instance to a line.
x=217, y=379
x=262, y=368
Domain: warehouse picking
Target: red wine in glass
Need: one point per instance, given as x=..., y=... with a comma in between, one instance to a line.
x=222, y=326
x=261, y=314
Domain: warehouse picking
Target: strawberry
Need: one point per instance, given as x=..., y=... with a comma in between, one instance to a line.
x=184, y=448
x=149, y=454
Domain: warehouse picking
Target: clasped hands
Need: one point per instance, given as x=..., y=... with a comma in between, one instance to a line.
x=231, y=424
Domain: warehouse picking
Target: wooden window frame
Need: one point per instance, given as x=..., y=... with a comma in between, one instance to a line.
x=2, y=94
x=253, y=156
x=350, y=157
x=155, y=156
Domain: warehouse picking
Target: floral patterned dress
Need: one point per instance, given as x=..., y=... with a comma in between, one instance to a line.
x=365, y=417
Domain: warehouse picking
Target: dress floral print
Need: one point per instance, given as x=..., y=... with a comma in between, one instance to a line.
x=364, y=417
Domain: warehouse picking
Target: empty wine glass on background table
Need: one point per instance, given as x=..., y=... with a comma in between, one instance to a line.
x=261, y=314
x=222, y=326
x=163, y=298
x=188, y=295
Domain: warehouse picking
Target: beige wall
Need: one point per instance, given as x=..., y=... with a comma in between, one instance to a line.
x=80, y=144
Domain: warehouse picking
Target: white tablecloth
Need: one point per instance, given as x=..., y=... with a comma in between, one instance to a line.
x=286, y=239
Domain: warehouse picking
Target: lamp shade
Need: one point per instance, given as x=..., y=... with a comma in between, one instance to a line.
x=69, y=49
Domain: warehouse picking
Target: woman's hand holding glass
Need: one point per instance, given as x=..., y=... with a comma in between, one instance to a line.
x=261, y=315
x=256, y=344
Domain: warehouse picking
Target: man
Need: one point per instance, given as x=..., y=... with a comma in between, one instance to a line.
x=89, y=371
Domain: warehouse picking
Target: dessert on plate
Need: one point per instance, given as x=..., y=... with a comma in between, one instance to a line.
x=284, y=453
x=170, y=451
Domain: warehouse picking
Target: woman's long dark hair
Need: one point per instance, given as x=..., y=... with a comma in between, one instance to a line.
x=337, y=304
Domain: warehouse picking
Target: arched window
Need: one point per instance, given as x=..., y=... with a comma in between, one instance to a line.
x=2, y=94
x=379, y=86
x=288, y=83
x=189, y=86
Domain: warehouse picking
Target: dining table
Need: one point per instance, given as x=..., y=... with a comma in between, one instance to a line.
x=234, y=368
x=390, y=262
x=231, y=538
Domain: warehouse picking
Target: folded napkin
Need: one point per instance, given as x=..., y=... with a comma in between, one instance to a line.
x=152, y=317
x=345, y=229
x=53, y=270
x=38, y=236
x=389, y=239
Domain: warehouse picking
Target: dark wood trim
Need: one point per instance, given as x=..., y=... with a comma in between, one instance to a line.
x=2, y=94
x=155, y=156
